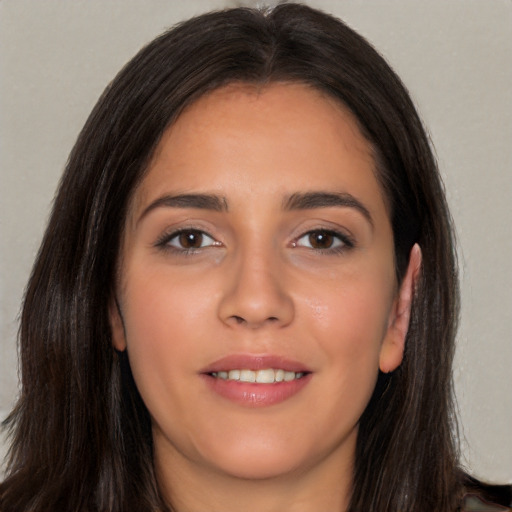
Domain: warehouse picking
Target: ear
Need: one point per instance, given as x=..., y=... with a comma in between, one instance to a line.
x=116, y=325
x=392, y=349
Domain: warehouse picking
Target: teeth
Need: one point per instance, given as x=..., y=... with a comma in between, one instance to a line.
x=247, y=376
x=288, y=376
x=234, y=375
x=267, y=376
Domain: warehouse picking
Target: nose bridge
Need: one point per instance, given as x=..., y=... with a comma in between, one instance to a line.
x=256, y=292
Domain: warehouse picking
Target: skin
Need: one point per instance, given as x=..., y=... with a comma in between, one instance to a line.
x=259, y=284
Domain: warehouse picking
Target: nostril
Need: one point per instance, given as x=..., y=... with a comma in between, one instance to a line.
x=240, y=320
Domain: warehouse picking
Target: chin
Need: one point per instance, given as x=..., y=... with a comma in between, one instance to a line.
x=255, y=460
x=259, y=468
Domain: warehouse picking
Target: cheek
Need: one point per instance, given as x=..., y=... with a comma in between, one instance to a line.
x=158, y=303
x=350, y=308
x=163, y=318
x=348, y=318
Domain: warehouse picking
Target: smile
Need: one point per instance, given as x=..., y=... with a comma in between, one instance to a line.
x=256, y=380
x=265, y=376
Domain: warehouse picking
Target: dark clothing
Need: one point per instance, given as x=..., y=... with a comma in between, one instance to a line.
x=483, y=497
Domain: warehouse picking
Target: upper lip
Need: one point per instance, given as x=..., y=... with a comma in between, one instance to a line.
x=254, y=362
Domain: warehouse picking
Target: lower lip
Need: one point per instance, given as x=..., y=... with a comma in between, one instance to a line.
x=254, y=394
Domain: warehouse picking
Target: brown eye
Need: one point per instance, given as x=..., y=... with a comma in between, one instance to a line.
x=321, y=239
x=324, y=240
x=189, y=240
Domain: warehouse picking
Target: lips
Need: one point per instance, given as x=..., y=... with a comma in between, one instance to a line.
x=254, y=380
x=254, y=363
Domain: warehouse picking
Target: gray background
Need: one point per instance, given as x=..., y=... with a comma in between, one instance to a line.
x=455, y=57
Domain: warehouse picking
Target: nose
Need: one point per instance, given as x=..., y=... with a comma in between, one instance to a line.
x=255, y=294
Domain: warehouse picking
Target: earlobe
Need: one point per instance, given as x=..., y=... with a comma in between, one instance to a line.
x=392, y=349
x=116, y=325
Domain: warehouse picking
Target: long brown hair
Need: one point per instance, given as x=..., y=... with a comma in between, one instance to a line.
x=81, y=435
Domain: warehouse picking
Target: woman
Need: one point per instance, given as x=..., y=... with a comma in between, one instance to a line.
x=246, y=295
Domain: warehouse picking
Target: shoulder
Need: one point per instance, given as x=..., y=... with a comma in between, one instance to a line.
x=483, y=497
x=475, y=503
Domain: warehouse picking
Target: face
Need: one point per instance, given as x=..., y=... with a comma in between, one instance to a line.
x=257, y=295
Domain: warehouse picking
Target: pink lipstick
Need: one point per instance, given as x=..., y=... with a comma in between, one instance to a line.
x=256, y=380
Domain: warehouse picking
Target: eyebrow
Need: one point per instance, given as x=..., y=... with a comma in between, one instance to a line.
x=200, y=201
x=312, y=200
x=297, y=201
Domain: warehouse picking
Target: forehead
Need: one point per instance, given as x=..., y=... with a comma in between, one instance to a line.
x=282, y=135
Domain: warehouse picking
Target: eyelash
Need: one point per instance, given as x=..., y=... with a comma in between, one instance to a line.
x=164, y=242
x=342, y=241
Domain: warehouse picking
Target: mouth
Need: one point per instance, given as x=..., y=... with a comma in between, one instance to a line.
x=256, y=381
x=264, y=376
